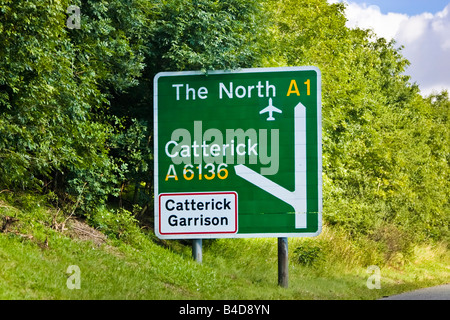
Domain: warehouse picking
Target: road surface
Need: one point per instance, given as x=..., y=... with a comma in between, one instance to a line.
x=434, y=293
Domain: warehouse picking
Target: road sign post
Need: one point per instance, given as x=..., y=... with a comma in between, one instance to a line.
x=283, y=262
x=197, y=250
x=238, y=153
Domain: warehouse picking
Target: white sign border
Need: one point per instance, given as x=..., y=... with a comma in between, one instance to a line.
x=155, y=152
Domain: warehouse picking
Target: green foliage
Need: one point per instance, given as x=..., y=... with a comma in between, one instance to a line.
x=116, y=224
x=131, y=148
x=206, y=35
x=381, y=162
x=309, y=252
x=75, y=104
x=54, y=84
x=129, y=264
x=110, y=44
x=181, y=35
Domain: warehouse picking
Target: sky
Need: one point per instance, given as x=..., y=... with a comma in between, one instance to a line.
x=421, y=26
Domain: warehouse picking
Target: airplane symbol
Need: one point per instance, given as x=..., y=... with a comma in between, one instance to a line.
x=270, y=109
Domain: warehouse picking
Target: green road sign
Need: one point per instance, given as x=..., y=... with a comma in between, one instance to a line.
x=238, y=153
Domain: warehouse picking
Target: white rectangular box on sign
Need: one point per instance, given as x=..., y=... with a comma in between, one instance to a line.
x=199, y=212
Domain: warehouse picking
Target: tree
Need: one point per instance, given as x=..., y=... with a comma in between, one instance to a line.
x=75, y=104
x=185, y=35
x=54, y=89
x=380, y=159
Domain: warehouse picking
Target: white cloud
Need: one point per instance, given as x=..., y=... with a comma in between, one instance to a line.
x=426, y=38
x=370, y=17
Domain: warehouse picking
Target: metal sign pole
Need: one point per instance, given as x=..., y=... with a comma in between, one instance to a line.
x=283, y=263
x=197, y=250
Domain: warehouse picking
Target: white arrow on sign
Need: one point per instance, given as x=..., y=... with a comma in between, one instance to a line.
x=296, y=198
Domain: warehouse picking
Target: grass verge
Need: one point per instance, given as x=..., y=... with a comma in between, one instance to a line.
x=125, y=261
